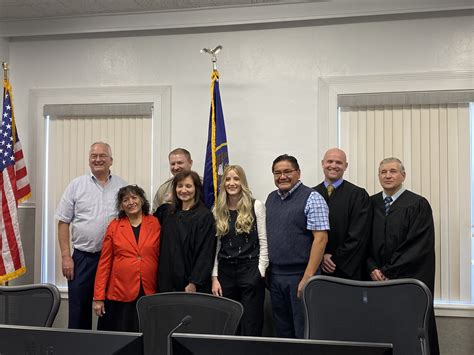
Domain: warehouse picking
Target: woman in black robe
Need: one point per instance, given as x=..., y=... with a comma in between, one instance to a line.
x=188, y=240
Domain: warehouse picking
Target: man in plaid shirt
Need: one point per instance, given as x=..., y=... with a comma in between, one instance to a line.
x=297, y=225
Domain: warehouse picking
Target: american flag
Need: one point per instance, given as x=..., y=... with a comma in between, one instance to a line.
x=14, y=188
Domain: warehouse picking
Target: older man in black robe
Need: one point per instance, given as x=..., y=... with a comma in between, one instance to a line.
x=403, y=236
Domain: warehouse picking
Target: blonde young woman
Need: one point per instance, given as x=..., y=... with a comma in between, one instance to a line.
x=242, y=255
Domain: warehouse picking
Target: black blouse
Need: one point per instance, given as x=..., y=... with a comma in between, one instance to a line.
x=239, y=246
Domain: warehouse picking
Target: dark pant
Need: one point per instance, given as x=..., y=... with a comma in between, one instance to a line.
x=288, y=312
x=242, y=282
x=81, y=289
x=120, y=316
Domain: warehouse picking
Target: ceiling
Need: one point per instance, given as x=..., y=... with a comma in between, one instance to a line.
x=41, y=9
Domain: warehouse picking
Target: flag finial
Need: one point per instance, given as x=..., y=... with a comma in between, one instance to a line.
x=5, y=70
x=212, y=53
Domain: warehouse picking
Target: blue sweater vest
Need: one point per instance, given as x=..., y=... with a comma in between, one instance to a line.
x=289, y=242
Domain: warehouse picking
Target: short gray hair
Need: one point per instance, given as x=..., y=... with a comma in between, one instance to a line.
x=393, y=160
x=107, y=146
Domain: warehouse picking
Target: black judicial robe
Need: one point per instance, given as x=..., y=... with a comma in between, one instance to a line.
x=187, y=249
x=402, y=244
x=403, y=241
x=350, y=218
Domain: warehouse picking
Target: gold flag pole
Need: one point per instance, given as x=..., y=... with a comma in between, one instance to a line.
x=5, y=78
x=5, y=70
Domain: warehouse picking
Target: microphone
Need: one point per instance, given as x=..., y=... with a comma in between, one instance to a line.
x=185, y=321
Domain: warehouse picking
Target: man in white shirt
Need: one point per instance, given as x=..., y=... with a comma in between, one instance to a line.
x=84, y=212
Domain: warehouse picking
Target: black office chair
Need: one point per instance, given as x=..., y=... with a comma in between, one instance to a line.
x=160, y=313
x=31, y=305
x=394, y=311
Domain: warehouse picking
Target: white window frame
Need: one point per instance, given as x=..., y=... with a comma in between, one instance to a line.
x=159, y=96
x=327, y=125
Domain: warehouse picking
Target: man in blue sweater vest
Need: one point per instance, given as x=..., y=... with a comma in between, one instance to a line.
x=297, y=225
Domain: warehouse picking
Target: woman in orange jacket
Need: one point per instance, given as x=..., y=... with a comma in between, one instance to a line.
x=128, y=264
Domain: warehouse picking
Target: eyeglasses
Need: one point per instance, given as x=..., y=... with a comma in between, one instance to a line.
x=100, y=156
x=287, y=172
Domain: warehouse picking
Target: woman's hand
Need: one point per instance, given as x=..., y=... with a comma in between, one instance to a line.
x=216, y=286
x=190, y=288
x=99, y=308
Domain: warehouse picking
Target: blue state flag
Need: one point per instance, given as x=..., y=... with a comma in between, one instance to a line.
x=217, y=156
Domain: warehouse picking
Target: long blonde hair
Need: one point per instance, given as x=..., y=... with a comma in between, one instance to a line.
x=245, y=217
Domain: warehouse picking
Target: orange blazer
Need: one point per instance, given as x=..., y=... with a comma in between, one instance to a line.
x=123, y=262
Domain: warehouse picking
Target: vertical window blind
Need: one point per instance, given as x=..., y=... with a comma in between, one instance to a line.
x=69, y=141
x=433, y=142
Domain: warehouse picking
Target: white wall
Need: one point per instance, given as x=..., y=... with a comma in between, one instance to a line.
x=4, y=50
x=269, y=78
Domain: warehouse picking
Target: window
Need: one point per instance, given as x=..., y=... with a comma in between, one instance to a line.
x=433, y=142
x=72, y=129
x=454, y=293
x=67, y=122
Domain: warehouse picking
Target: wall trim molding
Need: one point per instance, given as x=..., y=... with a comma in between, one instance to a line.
x=327, y=121
x=330, y=87
x=226, y=16
x=454, y=310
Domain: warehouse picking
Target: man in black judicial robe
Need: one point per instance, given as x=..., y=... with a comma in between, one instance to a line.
x=402, y=243
x=350, y=217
